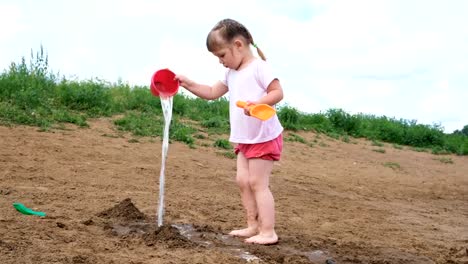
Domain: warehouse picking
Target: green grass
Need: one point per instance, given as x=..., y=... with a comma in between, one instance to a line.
x=445, y=160
x=323, y=144
x=199, y=136
x=418, y=149
x=396, y=146
x=380, y=150
x=334, y=135
x=377, y=143
x=439, y=151
x=216, y=125
x=392, y=165
x=293, y=137
x=346, y=139
x=111, y=135
x=228, y=154
x=141, y=124
x=32, y=94
x=133, y=140
x=222, y=143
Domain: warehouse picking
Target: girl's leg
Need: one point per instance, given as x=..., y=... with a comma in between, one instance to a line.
x=247, y=197
x=259, y=180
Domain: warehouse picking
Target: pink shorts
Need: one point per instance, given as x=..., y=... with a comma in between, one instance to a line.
x=270, y=150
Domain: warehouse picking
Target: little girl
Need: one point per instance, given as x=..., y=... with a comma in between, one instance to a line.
x=257, y=143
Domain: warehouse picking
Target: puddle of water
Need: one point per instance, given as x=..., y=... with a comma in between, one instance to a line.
x=319, y=256
x=133, y=228
x=230, y=244
x=191, y=234
x=218, y=241
x=247, y=256
x=234, y=246
x=166, y=105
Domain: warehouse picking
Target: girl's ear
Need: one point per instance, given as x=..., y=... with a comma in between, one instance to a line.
x=238, y=43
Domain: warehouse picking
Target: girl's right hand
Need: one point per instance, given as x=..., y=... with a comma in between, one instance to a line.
x=184, y=81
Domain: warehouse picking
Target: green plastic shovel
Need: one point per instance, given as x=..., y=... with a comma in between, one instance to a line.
x=27, y=211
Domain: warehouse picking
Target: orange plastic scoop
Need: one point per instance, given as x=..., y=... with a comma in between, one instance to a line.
x=260, y=111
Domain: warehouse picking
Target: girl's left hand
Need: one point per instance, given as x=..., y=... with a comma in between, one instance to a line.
x=246, y=108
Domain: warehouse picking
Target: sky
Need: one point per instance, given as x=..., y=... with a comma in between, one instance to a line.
x=404, y=59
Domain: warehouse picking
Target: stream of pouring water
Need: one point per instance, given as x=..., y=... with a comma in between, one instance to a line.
x=166, y=104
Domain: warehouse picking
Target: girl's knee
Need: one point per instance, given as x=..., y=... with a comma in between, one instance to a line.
x=257, y=185
x=242, y=181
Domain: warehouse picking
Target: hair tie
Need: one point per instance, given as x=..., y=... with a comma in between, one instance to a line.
x=255, y=45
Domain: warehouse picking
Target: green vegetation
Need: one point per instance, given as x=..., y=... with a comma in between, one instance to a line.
x=31, y=94
x=377, y=144
x=133, y=140
x=446, y=160
x=396, y=146
x=228, y=154
x=222, y=143
x=295, y=138
x=380, y=150
x=437, y=150
x=345, y=138
x=418, y=149
x=392, y=165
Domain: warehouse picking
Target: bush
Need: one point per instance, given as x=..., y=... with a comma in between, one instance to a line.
x=31, y=94
x=343, y=122
x=423, y=136
x=92, y=97
x=289, y=117
x=318, y=122
x=457, y=144
x=28, y=86
x=137, y=98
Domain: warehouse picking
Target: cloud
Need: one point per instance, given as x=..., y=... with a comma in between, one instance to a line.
x=443, y=103
x=10, y=16
x=10, y=19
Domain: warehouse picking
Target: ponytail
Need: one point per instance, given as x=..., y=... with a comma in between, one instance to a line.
x=259, y=51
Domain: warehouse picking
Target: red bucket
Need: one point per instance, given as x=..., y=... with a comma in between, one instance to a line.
x=163, y=83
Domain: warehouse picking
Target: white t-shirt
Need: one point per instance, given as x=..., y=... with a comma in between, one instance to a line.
x=250, y=84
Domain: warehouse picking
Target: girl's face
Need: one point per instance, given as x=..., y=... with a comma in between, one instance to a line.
x=228, y=57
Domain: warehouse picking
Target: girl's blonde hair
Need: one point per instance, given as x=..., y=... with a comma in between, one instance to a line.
x=229, y=29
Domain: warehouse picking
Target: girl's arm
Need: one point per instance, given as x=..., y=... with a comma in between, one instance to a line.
x=274, y=94
x=201, y=90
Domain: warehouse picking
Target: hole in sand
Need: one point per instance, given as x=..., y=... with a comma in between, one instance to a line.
x=127, y=222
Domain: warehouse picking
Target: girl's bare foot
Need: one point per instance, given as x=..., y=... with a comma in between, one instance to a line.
x=263, y=239
x=246, y=232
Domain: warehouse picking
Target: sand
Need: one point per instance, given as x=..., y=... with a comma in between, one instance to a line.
x=336, y=202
